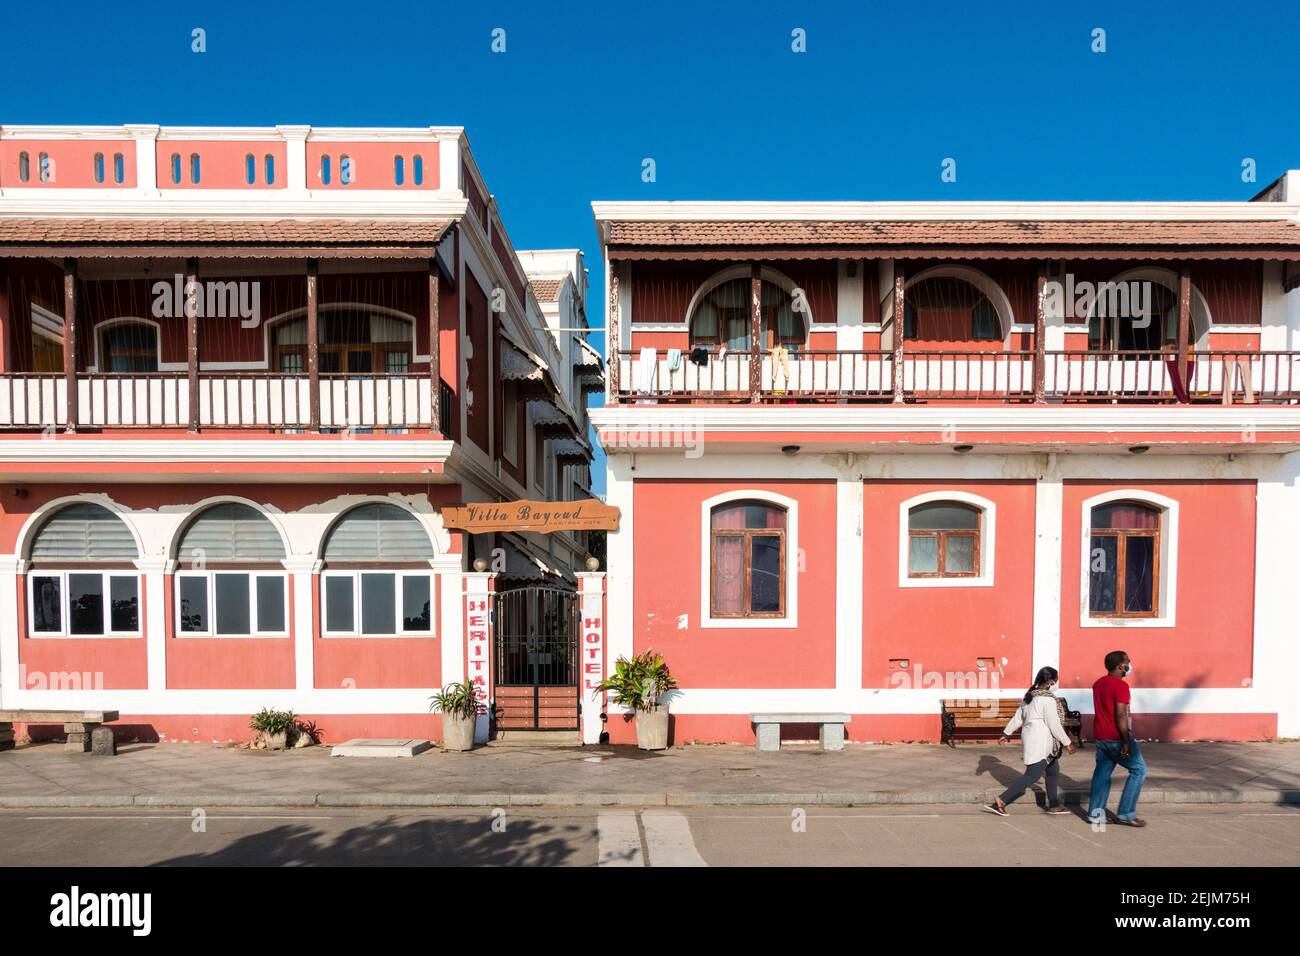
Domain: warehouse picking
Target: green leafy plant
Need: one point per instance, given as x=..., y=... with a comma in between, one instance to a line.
x=270, y=722
x=456, y=700
x=640, y=682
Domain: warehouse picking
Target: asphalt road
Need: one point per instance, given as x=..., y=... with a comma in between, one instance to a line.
x=1218, y=836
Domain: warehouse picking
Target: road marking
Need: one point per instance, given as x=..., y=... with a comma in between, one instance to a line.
x=619, y=840
x=187, y=816
x=668, y=839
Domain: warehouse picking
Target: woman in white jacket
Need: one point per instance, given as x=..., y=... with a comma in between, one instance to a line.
x=1038, y=718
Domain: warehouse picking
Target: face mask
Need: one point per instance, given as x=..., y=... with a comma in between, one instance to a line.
x=1128, y=671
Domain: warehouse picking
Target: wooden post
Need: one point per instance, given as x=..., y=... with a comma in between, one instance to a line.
x=900, y=325
x=313, y=349
x=435, y=363
x=611, y=339
x=1040, y=337
x=755, y=334
x=1184, y=327
x=192, y=295
x=70, y=342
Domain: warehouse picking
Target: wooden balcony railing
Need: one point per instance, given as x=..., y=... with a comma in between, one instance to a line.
x=963, y=376
x=250, y=400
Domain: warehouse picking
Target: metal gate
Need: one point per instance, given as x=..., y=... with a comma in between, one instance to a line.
x=536, y=683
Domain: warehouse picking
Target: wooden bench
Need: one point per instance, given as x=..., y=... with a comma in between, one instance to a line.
x=79, y=725
x=986, y=718
x=767, y=728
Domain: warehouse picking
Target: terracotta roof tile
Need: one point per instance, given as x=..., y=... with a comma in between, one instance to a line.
x=246, y=231
x=1056, y=232
x=546, y=290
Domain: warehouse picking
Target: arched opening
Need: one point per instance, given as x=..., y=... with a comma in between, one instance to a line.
x=949, y=310
x=1137, y=311
x=350, y=340
x=82, y=581
x=377, y=581
x=232, y=581
x=126, y=347
x=748, y=560
x=943, y=540
x=721, y=316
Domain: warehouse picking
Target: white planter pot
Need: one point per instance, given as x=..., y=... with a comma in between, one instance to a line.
x=652, y=728
x=277, y=741
x=458, y=732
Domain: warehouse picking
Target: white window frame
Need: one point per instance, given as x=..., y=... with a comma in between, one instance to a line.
x=1166, y=587
x=791, y=508
x=987, y=540
x=64, y=596
x=210, y=576
x=399, y=575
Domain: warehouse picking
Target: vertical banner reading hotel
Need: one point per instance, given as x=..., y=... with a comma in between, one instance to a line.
x=478, y=646
x=591, y=652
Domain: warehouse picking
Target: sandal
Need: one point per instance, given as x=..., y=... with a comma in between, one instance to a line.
x=998, y=807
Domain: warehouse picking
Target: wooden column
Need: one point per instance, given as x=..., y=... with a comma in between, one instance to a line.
x=755, y=334
x=435, y=362
x=313, y=347
x=70, y=341
x=192, y=294
x=1184, y=326
x=900, y=324
x=1040, y=336
x=611, y=339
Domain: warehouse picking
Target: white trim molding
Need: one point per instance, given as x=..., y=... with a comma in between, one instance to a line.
x=987, y=540
x=791, y=507
x=1166, y=587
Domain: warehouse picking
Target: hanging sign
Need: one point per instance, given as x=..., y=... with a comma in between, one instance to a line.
x=587, y=514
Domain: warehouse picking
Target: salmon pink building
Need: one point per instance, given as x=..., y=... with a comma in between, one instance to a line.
x=874, y=456
x=242, y=371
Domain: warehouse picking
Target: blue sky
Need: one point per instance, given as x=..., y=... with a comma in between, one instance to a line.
x=712, y=92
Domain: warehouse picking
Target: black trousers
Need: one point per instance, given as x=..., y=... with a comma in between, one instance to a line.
x=1052, y=768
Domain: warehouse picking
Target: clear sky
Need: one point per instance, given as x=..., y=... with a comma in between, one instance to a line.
x=712, y=92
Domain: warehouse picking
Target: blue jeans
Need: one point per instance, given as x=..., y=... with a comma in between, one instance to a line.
x=1107, y=757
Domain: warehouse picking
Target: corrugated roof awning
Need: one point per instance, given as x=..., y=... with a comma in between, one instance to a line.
x=522, y=565
x=520, y=365
x=570, y=449
x=550, y=418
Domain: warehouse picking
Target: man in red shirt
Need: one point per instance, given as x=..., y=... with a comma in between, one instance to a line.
x=1113, y=733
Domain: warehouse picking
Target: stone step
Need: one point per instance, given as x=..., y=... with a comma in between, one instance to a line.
x=362, y=747
x=536, y=738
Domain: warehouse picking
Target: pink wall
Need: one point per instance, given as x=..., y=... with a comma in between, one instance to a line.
x=73, y=160
x=667, y=583
x=379, y=661
x=374, y=166
x=947, y=629
x=1211, y=644
x=117, y=663
x=221, y=164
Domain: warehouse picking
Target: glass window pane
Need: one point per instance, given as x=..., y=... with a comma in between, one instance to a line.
x=85, y=604
x=338, y=604
x=194, y=604
x=415, y=603
x=270, y=603
x=765, y=574
x=1139, y=562
x=47, y=605
x=728, y=574
x=1125, y=514
x=124, y=602
x=1102, y=564
x=378, y=613
x=231, y=599
x=959, y=556
x=923, y=554
x=943, y=516
x=747, y=515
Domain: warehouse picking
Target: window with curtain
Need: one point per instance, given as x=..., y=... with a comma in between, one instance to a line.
x=722, y=317
x=377, y=581
x=1113, y=325
x=949, y=309
x=943, y=540
x=82, y=581
x=1124, y=560
x=748, y=549
x=128, y=347
x=349, y=341
x=232, y=581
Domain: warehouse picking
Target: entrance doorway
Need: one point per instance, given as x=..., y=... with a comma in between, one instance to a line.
x=536, y=680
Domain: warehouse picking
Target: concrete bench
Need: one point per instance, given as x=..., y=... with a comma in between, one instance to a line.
x=80, y=726
x=767, y=728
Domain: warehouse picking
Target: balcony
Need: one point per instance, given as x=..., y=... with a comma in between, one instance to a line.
x=1006, y=377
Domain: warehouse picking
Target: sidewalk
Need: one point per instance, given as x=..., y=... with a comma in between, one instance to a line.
x=42, y=776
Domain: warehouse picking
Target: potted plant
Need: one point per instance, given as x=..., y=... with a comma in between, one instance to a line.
x=458, y=705
x=639, y=684
x=274, y=726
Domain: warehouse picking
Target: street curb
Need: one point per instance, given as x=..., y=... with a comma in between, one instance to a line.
x=378, y=800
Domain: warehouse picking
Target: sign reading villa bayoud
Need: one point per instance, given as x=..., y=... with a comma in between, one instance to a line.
x=589, y=514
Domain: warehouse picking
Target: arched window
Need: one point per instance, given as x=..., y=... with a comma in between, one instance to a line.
x=176, y=168
x=82, y=581
x=949, y=309
x=24, y=167
x=128, y=347
x=377, y=581
x=417, y=170
x=325, y=169
x=233, y=582
x=722, y=316
x=99, y=167
x=943, y=540
x=250, y=169
x=119, y=168
x=1133, y=316
x=399, y=170
x=748, y=560
x=1124, y=560
x=347, y=170
x=349, y=341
